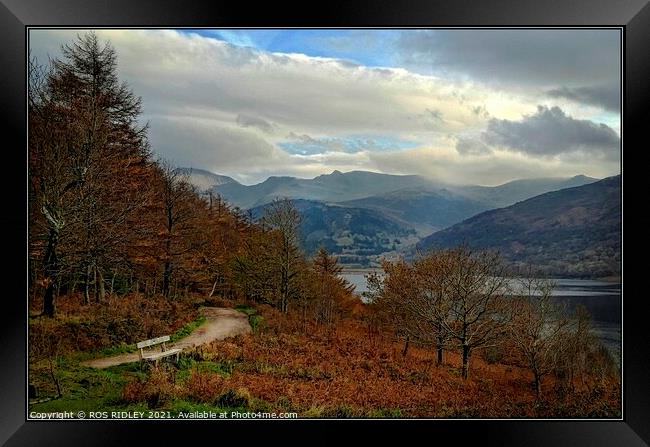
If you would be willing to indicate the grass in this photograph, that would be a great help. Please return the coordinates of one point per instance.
(254, 319)
(85, 388)
(187, 364)
(92, 390)
(187, 329)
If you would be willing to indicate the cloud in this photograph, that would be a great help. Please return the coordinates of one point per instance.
(551, 132)
(210, 145)
(605, 96)
(314, 95)
(472, 146)
(523, 57)
(481, 111)
(436, 115)
(447, 165)
(256, 122)
(229, 109)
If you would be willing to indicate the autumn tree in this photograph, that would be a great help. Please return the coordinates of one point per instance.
(112, 144)
(282, 218)
(177, 216)
(415, 298)
(226, 233)
(431, 304)
(585, 360)
(539, 328)
(331, 291)
(82, 114)
(56, 170)
(392, 295)
(479, 311)
(252, 267)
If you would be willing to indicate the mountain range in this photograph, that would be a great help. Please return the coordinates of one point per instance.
(354, 185)
(363, 216)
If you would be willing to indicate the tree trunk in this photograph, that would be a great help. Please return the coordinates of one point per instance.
(406, 346)
(49, 305)
(87, 285)
(75, 280)
(112, 283)
(167, 275)
(54, 379)
(538, 385)
(96, 284)
(440, 343)
(102, 289)
(214, 287)
(51, 269)
(465, 361)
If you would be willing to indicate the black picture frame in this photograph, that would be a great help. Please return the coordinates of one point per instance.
(16, 15)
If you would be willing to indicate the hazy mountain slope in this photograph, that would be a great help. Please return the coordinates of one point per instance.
(518, 190)
(428, 208)
(574, 231)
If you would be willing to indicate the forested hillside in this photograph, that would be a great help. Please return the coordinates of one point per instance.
(571, 232)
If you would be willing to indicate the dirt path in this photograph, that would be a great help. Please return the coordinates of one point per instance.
(220, 323)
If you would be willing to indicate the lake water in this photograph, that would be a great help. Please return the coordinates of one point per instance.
(602, 299)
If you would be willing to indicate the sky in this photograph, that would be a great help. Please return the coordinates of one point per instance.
(482, 106)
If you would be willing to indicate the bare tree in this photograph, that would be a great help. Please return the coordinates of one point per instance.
(539, 327)
(479, 311)
(431, 304)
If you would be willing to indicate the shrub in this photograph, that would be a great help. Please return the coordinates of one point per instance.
(157, 389)
(204, 386)
(493, 354)
(115, 322)
(234, 398)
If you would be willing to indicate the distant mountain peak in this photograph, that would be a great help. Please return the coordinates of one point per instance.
(584, 177)
(336, 172)
(205, 180)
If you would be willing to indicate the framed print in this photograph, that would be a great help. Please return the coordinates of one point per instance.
(397, 219)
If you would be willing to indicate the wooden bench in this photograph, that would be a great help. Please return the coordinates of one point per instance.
(155, 356)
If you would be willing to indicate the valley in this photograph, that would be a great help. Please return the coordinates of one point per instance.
(363, 217)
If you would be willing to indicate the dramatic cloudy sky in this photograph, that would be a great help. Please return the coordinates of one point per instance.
(462, 106)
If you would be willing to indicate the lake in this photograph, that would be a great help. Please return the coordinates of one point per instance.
(602, 299)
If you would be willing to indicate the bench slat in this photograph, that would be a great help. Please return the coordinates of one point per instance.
(152, 342)
(161, 354)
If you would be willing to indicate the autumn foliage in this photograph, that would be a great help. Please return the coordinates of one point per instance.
(349, 372)
(123, 248)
